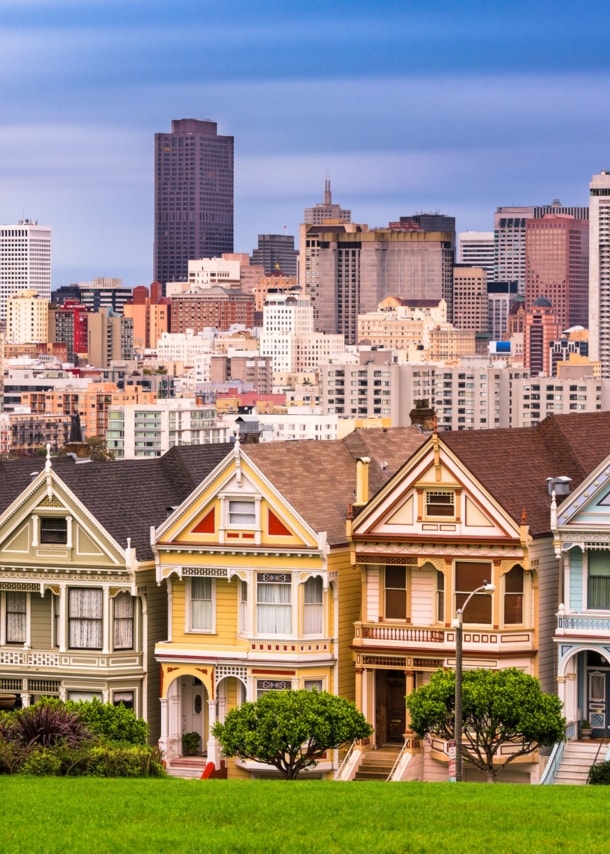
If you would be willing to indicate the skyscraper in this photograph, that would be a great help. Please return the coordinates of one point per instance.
(193, 197)
(326, 210)
(25, 261)
(599, 271)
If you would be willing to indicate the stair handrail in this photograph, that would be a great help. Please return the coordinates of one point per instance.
(346, 759)
(550, 770)
(401, 753)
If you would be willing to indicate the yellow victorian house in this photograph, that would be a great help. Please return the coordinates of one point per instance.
(261, 592)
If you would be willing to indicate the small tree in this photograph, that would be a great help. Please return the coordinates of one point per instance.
(500, 707)
(290, 730)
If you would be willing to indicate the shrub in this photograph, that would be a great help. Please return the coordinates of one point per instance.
(109, 722)
(46, 724)
(41, 762)
(599, 775)
(116, 761)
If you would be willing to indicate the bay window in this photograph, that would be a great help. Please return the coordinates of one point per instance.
(201, 611)
(123, 621)
(274, 603)
(85, 615)
(599, 580)
(313, 617)
(16, 617)
(513, 596)
(469, 575)
(395, 593)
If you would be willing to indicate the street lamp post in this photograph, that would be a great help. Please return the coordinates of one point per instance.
(457, 624)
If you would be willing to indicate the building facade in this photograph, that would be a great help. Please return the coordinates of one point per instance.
(193, 197)
(25, 261)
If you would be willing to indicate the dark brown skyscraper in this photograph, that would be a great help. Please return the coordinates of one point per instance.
(193, 197)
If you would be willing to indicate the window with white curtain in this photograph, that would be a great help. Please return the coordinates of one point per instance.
(85, 617)
(313, 617)
(16, 617)
(274, 603)
(243, 606)
(201, 605)
(123, 621)
(242, 514)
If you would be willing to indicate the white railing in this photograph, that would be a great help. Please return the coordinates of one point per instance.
(402, 760)
(582, 622)
(552, 766)
(77, 659)
(341, 772)
(403, 634)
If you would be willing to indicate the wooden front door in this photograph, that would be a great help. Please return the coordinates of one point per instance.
(395, 720)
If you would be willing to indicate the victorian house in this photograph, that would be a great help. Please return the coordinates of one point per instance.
(262, 595)
(581, 527)
(80, 607)
(468, 509)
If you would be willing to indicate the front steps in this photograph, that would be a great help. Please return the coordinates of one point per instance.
(578, 756)
(378, 764)
(186, 766)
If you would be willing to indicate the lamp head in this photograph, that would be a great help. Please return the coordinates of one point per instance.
(489, 588)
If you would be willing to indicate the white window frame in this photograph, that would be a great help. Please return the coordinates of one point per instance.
(313, 684)
(4, 639)
(313, 611)
(430, 494)
(123, 621)
(209, 626)
(86, 619)
(242, 513)
(282, 582)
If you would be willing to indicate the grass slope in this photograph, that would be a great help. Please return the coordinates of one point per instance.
(182, 816)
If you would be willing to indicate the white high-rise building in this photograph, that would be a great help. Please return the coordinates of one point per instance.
(476, 249)
(599, 271)
(25, 261)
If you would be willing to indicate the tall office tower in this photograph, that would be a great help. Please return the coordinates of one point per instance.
(326, 210)
(470, 306)
(430, 222)
(25, 261)
(541, 329)
(276, 252)
(193, 197)
(557, 266)
(476, 248)
(599, 271)
(509, 237)
(348, 270)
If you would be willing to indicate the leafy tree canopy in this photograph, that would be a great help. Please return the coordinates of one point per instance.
(500, 707)
(290, 730)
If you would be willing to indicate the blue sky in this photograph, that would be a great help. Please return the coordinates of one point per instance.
(406, 106)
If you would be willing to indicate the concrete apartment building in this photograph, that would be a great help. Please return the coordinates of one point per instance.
(138, 430)
(193, 216)
(27, 316)
(214, 306)
(69, 324)
(109, 338)
(400, 325)
(102, 292)
(25, 261)
(470, 302)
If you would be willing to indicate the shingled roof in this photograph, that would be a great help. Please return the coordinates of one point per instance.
(513, 465)
(319, 478)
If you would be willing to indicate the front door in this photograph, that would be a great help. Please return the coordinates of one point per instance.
(597, 693)
(193, 707)
(395, 705)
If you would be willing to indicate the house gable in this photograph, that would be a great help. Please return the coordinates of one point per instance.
(48, 523)
(434, 493)
(589, 505)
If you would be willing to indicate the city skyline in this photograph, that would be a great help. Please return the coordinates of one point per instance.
(457, 109)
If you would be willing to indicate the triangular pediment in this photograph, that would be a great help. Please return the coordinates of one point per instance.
(434, 493)
(48, 523)
(589, 504)
(236, 504)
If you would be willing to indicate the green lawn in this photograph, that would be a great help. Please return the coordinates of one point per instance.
(56, 814)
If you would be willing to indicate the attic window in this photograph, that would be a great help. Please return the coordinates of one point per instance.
(53, 529)
(242, 514)
(440, 503)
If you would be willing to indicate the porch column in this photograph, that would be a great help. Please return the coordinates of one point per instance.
(409, 688)
(213, 747)
(63, 618)
(163, 740)
(106, 621)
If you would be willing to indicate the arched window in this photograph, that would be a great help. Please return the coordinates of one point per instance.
(513, 596)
